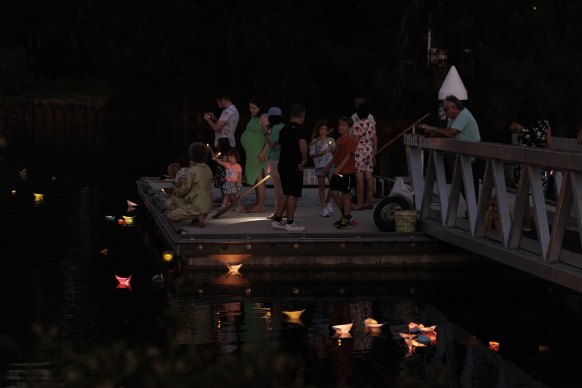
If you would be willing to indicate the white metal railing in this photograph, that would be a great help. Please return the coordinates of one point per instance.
(425, 157)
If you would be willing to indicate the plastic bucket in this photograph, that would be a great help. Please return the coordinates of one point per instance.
(405, 221)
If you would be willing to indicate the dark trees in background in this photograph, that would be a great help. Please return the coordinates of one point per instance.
(321, 53)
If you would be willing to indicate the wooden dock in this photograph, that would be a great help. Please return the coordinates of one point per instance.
(236, 237)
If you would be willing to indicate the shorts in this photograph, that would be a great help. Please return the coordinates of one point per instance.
(319, 172)
(273, 168)
(342, 183)
(291, 181)
(230, 187)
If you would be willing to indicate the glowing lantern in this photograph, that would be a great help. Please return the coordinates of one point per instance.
(294, 317)
(233, 269)
(110, 218)
(38, 197)
(13, 192)
(104, 252)
(494, 346)
(168, 256)
(543, 349)
(293, 314)
(121, 221)
(372, 327)
(343, 331)
(128, 220)
(131, 204)
(123, 282)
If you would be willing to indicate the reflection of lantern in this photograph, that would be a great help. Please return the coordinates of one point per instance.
(38, 197)
(128, 220)
(168, 256)
(494, 346)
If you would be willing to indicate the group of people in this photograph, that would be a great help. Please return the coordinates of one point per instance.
(280, 150)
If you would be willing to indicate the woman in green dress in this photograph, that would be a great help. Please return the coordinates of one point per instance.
(256, 149)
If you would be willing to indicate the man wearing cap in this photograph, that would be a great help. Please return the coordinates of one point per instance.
(225, 125)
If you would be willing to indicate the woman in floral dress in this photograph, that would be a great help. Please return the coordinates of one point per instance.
(364, 131)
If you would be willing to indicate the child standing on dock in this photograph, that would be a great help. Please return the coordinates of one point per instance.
(321, 150)
(344, 169)
(232, 177)
(194, 195)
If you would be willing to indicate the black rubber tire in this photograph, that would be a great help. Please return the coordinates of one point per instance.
(384, 212)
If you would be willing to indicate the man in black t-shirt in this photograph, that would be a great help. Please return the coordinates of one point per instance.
(293, 141)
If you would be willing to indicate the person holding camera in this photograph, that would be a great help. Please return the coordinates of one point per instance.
(225, 125)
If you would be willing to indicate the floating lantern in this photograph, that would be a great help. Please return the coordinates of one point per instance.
(23, 174)
(343, 331)
(543, 349)
(295, 291)
(128, 220)
(123, 282)
(53, 178)
(38, 197)
(13, 192)
(131, 204)
(110, 218)
(104, 252)
(248, 291)
(372, 323)
(294, 314)
(121, 221)
(233, 269)
(494, 346)
(418, 336)
(168, 256)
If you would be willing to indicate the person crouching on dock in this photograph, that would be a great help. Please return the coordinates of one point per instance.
(194, 196)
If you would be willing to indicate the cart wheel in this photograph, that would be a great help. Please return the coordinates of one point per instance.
(384, 212)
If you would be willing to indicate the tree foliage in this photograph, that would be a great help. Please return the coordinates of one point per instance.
(318, 52)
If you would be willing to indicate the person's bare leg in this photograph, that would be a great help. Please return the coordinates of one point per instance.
(321, 183)
(369, 188)
(278, 190)
(347, 202)
(291, 206)
(281, 206)
(359, 189)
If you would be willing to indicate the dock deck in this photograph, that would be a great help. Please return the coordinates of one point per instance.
(236, 236)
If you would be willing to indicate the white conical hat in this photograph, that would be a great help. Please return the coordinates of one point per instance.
(453, 85)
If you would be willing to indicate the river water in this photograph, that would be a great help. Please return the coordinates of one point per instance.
(67, 321)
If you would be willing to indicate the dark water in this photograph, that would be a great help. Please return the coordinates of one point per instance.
(65, 320)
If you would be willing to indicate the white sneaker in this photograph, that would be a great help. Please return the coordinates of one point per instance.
(281, 225)
(294, 227)
(329, 208)
(324, 212)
